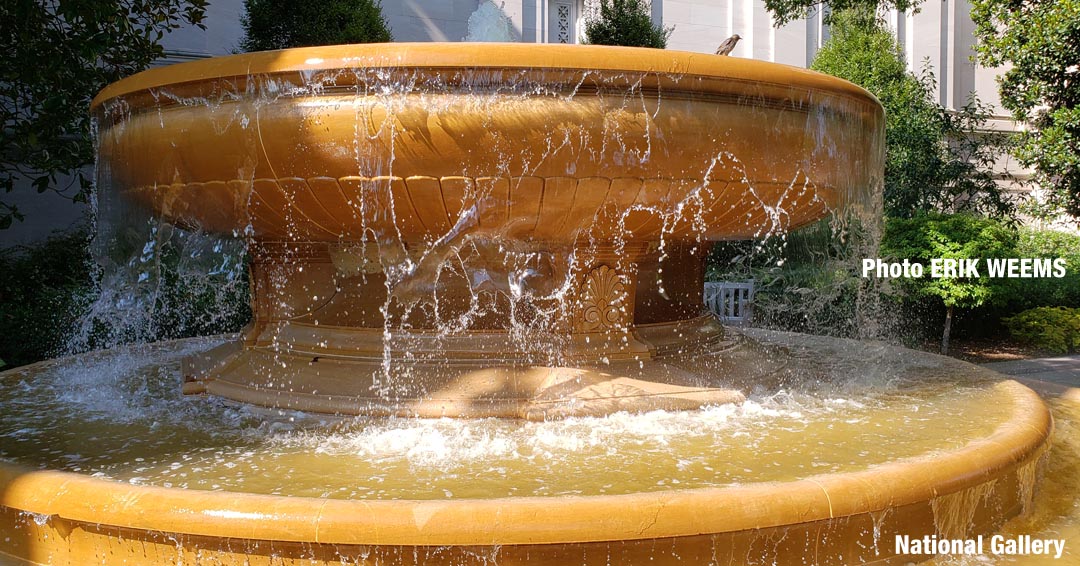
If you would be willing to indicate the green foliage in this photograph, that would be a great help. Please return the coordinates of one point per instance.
(786, 11)
(1040, 42)
(1019, 294)
(48, 295)
(805, 281)
(1054, 329)
(1050, 291)
(57, 55)
(809, 298)
(950, 236)
(281, 24)
(41, 288)
(809, 280)
(915, 317)
(936, 160)
(625, 22)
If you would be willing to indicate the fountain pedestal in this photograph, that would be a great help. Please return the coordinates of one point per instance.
(595, 336)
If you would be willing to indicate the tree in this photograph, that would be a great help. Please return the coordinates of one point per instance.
(785, 11)
(57, 55)
(281, 24)
(936, 159)
(956, 237)
(625, 22)
(1040, 40)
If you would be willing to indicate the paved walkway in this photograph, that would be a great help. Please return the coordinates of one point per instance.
(1064, 369)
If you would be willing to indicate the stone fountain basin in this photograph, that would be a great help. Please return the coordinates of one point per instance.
(529, 141)
(56, 517)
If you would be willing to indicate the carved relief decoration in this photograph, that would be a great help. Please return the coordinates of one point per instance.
(601, 301)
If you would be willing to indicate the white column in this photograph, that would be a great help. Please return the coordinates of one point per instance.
(944, 69)
(791, 44)
(742, 23)
(764, 32)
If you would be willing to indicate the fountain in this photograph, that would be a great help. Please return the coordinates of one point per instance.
(478, 331)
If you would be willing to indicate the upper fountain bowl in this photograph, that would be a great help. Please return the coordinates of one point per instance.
(535, 142)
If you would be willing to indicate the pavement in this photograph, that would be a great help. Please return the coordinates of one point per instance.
(1063, 370)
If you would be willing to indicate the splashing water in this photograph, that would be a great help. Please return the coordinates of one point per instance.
(478, 266)
(120, 415)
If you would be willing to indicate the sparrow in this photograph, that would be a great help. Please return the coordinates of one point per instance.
(728, 45)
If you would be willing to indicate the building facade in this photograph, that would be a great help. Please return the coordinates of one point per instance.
(939, 36)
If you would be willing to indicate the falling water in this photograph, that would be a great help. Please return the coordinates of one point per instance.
(477, 246)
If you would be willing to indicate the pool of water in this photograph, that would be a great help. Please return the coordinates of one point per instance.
(120, 415)
(1055, 509)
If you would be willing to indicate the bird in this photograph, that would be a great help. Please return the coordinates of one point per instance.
(728, 45)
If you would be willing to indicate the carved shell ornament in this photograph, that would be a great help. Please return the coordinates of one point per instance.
(602, 295)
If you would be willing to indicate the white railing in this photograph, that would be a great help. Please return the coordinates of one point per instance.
(731, 301)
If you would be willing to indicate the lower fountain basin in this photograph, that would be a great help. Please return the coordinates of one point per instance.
(101, 458)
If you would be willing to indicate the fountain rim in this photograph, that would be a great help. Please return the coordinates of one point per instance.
(568, 519)
(723, 72)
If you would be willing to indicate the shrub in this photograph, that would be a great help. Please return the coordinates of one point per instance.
(41, 288)
(57, 56)
(949, 236)
(281, 24)
(935, 159)
(625, 22)
(917, 316)
(1054, 329)
(51, 302)
(806, 280)
(1052, 291)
